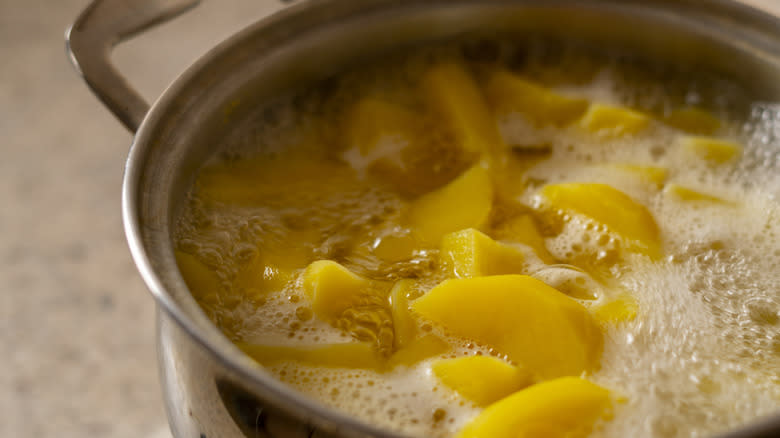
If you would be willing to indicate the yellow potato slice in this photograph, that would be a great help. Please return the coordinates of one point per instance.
(507, 92)
(610, 207)
(380, 129)
(693, 121)
(612, 121)
(470, 253)
(463, 203)
(652, 175)
(396, 247)
(622, 308)
(712, 150)
(201, 280)
(454, 96)
(360, 355)
(258, 278)
(332, 288)
(568, 407)
(523, 229)
(481, 379)
(531, 323)
(404, 325)
(418, 350)
(689, 195)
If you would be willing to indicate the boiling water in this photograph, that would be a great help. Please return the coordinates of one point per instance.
(703, 354)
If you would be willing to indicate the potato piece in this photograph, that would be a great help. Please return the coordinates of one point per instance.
(522, 229)
(712, 150)
(693, 121)
(404, 325)
(258, 278)
(622, 308)
(510, 93)
(652, 175)
(201, 280)
(612, 121)
(418, 350)
(332, 288)
(463, 203)
(531, 323)
(455, 97)
(380, 129)
(344, 355)
(689, 195)
(568, 407)
(395, 247)
(469, 253)
(481, 379)
(610, 207)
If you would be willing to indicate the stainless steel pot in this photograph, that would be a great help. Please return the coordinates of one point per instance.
(211, 389)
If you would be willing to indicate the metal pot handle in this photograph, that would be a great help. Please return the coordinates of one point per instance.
(103, 25)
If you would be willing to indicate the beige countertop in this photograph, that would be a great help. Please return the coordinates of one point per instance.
(77, 323)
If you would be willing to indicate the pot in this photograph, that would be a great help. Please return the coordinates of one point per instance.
(211, 389)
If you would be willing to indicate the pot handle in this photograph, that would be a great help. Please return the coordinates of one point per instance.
(103, 25)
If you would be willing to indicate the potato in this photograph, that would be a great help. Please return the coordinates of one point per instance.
(463, 203)
(201, 280)
(379, 129)
(612, 121)
(652, 175)
(404, 325)
(693, 121)
(453, 95)
(523, 229)
(470, 253)
(507, 93)
(342, 355)
(531, 323)
(686, 194)
(610, 207)
(714, 151)
(418, 350)
(622, 308)
(332, 288)
(567, 407)
(481, 379)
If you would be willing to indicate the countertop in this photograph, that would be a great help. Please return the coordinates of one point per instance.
(77, 323)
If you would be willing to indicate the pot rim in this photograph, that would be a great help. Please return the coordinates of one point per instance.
(212, 340)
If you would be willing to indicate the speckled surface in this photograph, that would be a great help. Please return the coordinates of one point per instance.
(76, 323)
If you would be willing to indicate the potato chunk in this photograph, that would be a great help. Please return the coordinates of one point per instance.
(332, 288)
(568, 407)
(611, 121)
(481, 379)
(463, 203)
(342, 355)
(404, 325)
(622, 308)
(511, 93)
(454, 96)
(523, 229)
(652, 175)
(610, 207)
(693, 121)
(380, 129)
(712, 150)
(200, 279)
(531, 323)
(418, 350)
(469, 253)
(689, 195)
